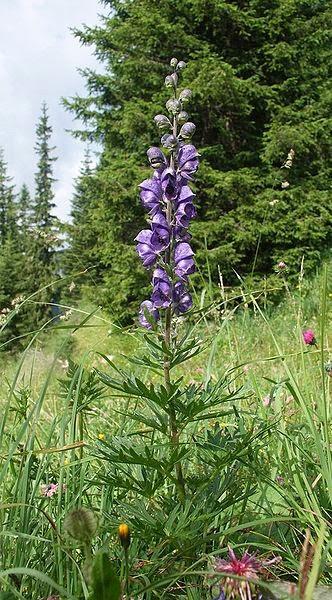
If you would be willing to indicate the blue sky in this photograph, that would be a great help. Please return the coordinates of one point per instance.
(39, 58)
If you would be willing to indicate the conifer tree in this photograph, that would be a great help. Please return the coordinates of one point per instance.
(260, 79)
(42, 265)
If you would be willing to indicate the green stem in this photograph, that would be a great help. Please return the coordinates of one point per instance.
(173, 426)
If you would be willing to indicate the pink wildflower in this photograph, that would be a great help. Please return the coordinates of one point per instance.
(267, 400)
(50, 489)
(281, 265)
(309, 337)
(249, 566)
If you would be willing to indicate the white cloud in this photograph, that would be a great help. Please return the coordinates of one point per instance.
(39, 58)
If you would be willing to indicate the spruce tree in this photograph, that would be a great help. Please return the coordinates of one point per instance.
(42, 265)
(260, 79)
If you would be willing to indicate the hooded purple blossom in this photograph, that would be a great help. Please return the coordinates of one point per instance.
(169, 184)
(161, 233)
(182, 299)
(148, 314)
(151, 194)
(188, 161)
(147, 247)
(162, 289)
(184, 262)
(185, 210)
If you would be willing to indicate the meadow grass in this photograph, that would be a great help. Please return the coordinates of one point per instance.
(55, 412)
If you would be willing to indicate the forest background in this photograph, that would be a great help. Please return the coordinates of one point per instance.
(260, 75)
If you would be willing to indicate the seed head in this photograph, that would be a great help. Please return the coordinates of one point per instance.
(81, 524)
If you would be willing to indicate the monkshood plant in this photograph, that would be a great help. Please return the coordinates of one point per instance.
(172, 478)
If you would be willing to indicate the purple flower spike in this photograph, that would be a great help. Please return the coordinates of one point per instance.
(160, 231)
(188, 161)
(151, 194)
(182, 299)
(148, 314)
(147, 248)
(184, 262)
(162, 289)
(156, 157)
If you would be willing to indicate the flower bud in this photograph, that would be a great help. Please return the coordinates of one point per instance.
(169, 141)
(124, 535)
(81, 524)
(185, 95)
(173, 62)
(182, 64)
(171, 80)
(156, 157)
(183, 117)
(187, 130)
(173, 106)
(162, 122)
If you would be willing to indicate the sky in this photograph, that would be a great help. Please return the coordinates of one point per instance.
(39, 58)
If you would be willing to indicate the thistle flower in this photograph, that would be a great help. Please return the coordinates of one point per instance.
(249, 566)
(309, 337)
(168, 200)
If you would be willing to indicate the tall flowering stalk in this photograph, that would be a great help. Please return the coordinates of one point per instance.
(165, 246)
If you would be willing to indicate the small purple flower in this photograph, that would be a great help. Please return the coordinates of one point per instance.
(169, 184)
(156, 157)
(188, 161)
(309, 337)
(185, 209)
(161, 234)
(50, 489)
(162, 289)
(181, 234)
(182, 299)
(148, 314)
(147, 247)
(151, 194)
(184, 262)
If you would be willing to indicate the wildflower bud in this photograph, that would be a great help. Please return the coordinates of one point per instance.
(173, 106)
(187, 130)
(81, 524)
(182, 64)
(162, 122)
(185, 95)
(309, 337)
(171, 80)
(328, 368)
(156, 157)
(173, 62)
(169, 141)
(124, 535)
(285, 185)
(183, 117)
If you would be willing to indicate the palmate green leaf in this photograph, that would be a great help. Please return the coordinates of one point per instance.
(160, 424)
(7, 596)
(138, 479)
(105, 581)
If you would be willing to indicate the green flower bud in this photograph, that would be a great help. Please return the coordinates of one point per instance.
(182, 64)
(183, 117)
(173, 62)
(81, 524)
(185, 95)
(169, 141)
(173, 106)
(171, 80)
(187, 130)
(162, 122)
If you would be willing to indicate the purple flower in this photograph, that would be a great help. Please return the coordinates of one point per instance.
(184, 262)
(309, 337)
(181, 234)
(187, 161)
(147, 247)
(148, 314)
(182, 299)
(162, 289)
(185, 210)
(160, 231)
(151, 194)
(156, 157)
(169, 184)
